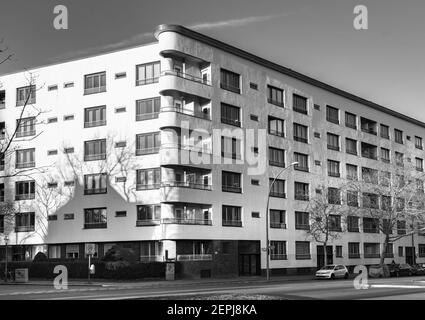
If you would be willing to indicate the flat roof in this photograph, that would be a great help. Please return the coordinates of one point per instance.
(274, 66)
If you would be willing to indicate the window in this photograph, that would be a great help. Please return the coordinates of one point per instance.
(420, 185)
(385, 131)
(52, 120)
(317, 107)
(68, 117)
(72, 251)
(370, 200)
(95, 183)
(25, 158)
(255, 182)
(2, 99)
(334, 196)
(333, 142)
(95, 150)
(120, 144)
(147, 143)
(370, 175)
(52, 87)
(421, 250)
(68, 216)
(299, 104)
(230, 148)
(302, 160)
(147, 73)
(230, 81)
(385, 155)
(148, 179)
(255, 214)
(369, 151)
(120, 214)
(275, 96)
(300, 133)
(350, 120)
(253, 117)
(120, 179)
(26, 127)
(25, 222)
(277, 189)
(52, 152)
(419, 164)
(120, 75)
(121, 109)
(400, 251)
(332, 114)
(368, 125)
(148, 108)
(68, 85)
(351, 146)
(352, 198)
(276, 127)
(231, 182)
(148, 215)
(353, 224)
(317, 135)
(302, 250)
(54, 252)
(277, 219)
(353, 250)
(95, 83)
(1, 161)
(370, 225)
(95, 117)
(386, 223)
(95, 218)
(68, 150)
(24, 190)
(301, 191)
(333, 168)
(338, 251)
(398, 136)
(1, 194)
(25, 95)
(371, 250)
(418, 143)
(230, 115)
(278, 250)
(253, 86)
(399, 159)
(351, 172)
(231, 216)
(276, 157)
(302, 221)
(335, 223)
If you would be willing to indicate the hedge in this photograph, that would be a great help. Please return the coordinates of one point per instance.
(78, 269)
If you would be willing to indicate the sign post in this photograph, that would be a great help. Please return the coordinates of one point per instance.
(90, 251)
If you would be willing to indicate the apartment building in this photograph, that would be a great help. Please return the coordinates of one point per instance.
(137, 148)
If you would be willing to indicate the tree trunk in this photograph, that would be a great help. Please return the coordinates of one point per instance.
(325, 254)
(384, 250)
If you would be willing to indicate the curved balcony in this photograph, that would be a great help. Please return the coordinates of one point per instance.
(172, 117)
(178, 154)
(176, 191)
(171, 80)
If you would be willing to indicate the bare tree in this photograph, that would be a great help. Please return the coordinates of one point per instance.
(389, 199)
(326, 213)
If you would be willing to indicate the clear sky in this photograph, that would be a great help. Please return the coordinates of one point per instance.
(384, 64)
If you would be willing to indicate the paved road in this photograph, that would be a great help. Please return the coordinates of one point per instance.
(393, 288)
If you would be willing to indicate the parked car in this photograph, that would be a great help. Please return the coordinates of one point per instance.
(403, 269)
(419, 269)
(332, 271)
(394, 268)
(379, 271)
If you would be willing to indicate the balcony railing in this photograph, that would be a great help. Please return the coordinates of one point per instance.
(229, 87)
(25, 165)
(189, 112)
(300, 139)
(332, 119)
(302, 226)
(94, 90)
(302, 197)
(353, 229)
(147, 116)
(25, 133)
(194, 257)
(302, 110)
(189, 147)
(234, 189)
(372, 255)
(91, 124)
(277, 163)
(353, 255)
(334, 174)
(95, 225)
(332, 147)
(147, 222)
(276, 194)
(351, 125)
(186, 184)
(278, 257)
(231, 155)
(25, 196)
(232, 223)
(370, 230)
(277, 133)
(140, 186)
(304, 256)
(22, 102)
(276, 102)
(369, 130)
(24, 228)
(301, 168)
(141, 82)
(140, 152)
(95, 191)
(370, 155)
(94, 157)
(277, 225)
(186, 76)
(203, 222)
(233, 122)
(155, 258)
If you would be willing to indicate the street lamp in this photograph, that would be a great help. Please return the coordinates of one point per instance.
(267, 220)
(6, 239)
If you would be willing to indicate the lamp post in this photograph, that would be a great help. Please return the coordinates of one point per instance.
(267, 220)
(6, 239)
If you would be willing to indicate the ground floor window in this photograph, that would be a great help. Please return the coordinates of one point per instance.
(72, 251)
(54, 252)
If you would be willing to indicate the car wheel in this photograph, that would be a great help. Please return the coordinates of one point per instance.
(346, 276)
(332, 276)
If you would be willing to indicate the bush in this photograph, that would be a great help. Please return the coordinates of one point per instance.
(118, 253)
(40, 256)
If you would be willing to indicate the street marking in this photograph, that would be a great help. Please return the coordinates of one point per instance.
(400, 286)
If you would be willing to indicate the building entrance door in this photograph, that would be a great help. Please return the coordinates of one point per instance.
(249, 264)
(321, 256)
(410, 253)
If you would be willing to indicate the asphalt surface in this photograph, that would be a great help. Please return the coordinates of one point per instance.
(410, 288)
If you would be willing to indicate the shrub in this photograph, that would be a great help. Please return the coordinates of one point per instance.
(119, 253)
(40, 256)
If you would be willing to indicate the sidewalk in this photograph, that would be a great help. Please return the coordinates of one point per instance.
(164, 283)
